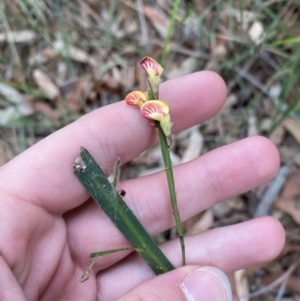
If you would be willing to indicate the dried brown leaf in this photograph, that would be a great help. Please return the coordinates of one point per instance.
(223, 209)
(149, 157)
(200, 223)
(11, 94)
(289, 201)
(195, 145)
(290, 206)
(127, 77)
(75, 53)
(293, 127)
(252, 127)
(293, 283)
(6, 152)
(187, 66)
(21, 36)
(277, 135)
(241, 284)
(158, 19)
(46, 110)
(289, 152)
(75, 97)
(256, 32)
(292, 186)
(142, 79)
(44, 82)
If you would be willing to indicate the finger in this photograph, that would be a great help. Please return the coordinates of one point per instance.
(9, 286)
(186, 283)
(216, 176)
(44, 172)
(229, 248)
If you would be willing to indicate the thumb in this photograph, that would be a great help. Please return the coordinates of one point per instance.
(187, 283)
(206, 283)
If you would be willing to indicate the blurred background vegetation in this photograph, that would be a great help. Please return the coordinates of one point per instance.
(62, 59)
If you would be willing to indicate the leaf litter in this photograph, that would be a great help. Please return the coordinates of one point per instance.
(81, 56)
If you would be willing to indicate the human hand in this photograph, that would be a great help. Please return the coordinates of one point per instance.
(49, 227)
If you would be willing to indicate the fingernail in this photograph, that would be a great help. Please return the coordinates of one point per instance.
(206, 284)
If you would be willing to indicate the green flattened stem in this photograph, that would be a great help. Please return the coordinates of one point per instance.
(169, 173)
(94, 180)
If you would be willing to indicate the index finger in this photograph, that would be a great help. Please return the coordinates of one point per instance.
(43, 174)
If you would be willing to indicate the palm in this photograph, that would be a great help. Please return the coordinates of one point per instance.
(48, 228)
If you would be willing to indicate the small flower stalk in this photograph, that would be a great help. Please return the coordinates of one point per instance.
(157, 111)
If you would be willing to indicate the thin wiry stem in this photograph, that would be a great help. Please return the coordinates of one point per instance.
(171, 183)
(170, 31)
(164, 145)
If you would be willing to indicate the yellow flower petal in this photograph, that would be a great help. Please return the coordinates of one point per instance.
(135, 98)
(152, 67)
(155, 110)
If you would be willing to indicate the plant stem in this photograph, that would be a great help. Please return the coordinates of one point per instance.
(106, 252)
(170, 31)
(94, 180)
(163, 141)
(169, 173)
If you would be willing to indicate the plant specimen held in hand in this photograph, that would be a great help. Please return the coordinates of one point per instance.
(157, 111)
(111, 202)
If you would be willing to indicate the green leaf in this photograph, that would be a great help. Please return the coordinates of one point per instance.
(94, 180)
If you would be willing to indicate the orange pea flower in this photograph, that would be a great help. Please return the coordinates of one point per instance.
(154, 70)
(152, 67)
(158, 110)
(136, 98)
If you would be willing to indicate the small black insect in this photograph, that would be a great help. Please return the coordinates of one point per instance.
(122, 193)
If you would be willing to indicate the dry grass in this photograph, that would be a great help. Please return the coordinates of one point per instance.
(62, 59)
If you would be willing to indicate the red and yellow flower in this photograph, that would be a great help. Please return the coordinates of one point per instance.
(158, 110)
(154, 70)
(136, 98)
(155, 110)
(152, 67)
